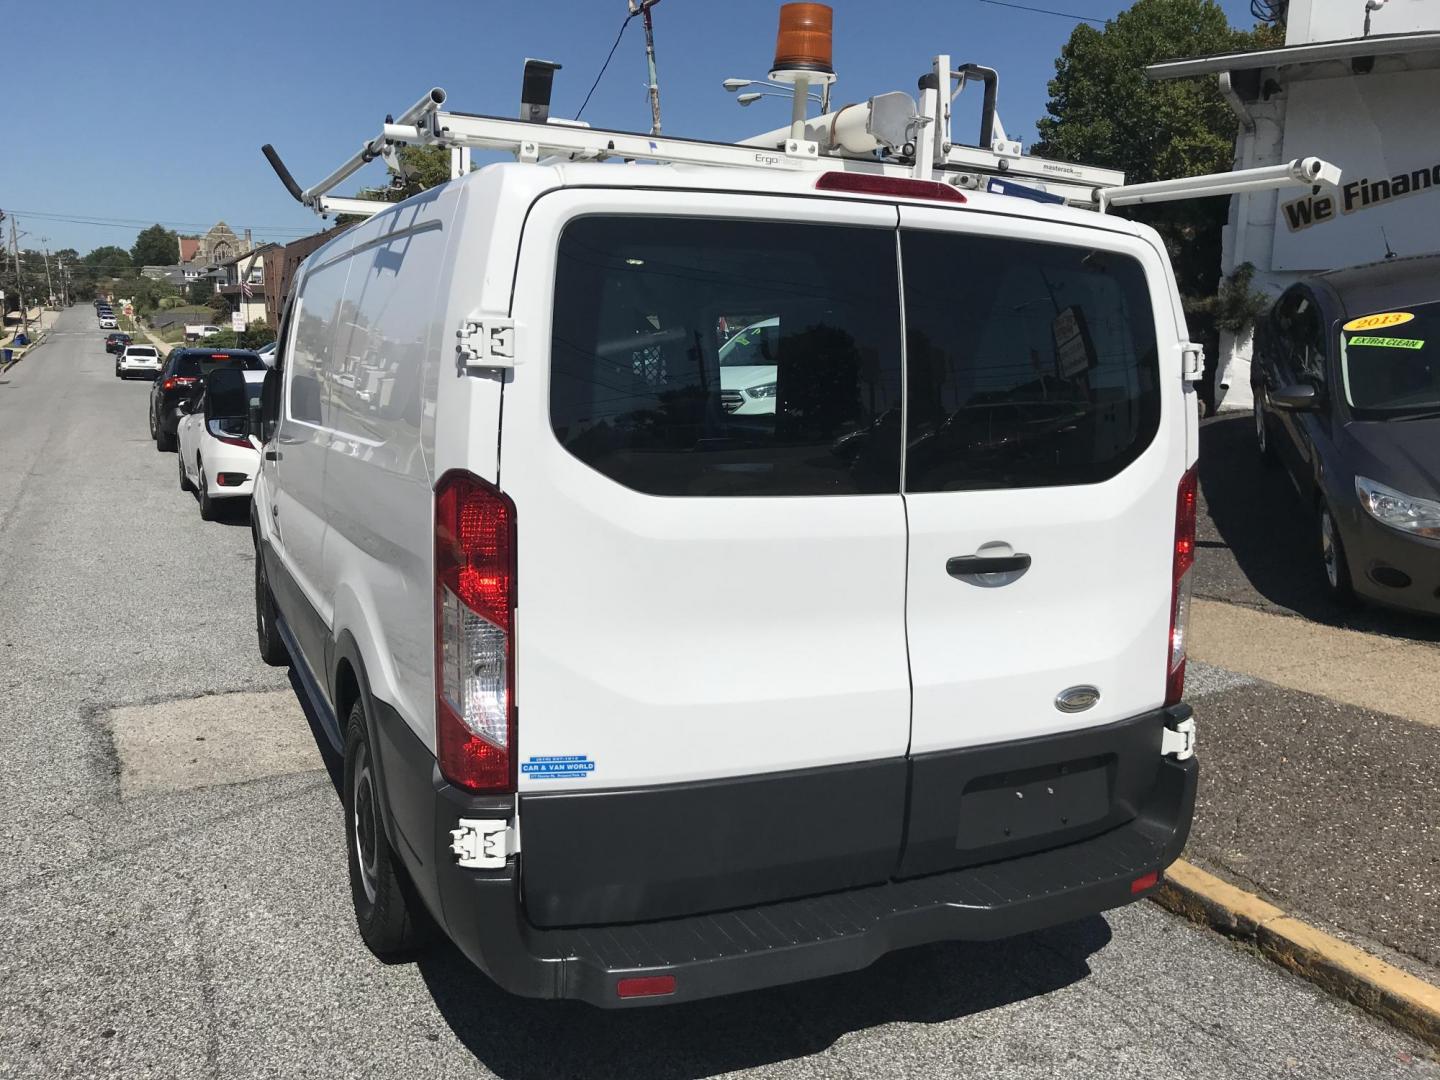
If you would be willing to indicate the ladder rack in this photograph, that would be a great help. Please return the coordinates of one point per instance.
(890, 134)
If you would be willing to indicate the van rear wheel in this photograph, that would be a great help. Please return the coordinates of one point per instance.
(383, 911)
(272, 648)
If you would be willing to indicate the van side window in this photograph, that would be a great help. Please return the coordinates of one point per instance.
(1034, 367)
(321, 294)
(726, 357)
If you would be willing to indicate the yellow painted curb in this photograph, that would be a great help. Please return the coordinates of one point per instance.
(1377, 987)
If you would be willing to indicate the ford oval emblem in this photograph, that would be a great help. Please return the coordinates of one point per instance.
(1077, 698)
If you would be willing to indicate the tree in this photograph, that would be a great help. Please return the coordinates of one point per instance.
(108, 260)
(156, 246)
(424, 166)
(220, 307)
(200, 291)
(1103, 110)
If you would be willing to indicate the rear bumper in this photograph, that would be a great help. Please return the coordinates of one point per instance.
(789, 940)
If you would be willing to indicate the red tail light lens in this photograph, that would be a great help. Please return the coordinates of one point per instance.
(1184, 560)
(895, 186)
(175, 382)
(474, 644)
(645, 986)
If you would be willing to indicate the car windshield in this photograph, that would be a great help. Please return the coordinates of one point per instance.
(1390, 362)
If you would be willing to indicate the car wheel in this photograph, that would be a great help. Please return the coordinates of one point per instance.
(272, 648)
(1333, 562)
(384, 908)
(207, 504)
(164, 442)
(184, 480)
(1262, 431)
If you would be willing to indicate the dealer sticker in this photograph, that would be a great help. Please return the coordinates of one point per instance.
(1388, 342)
(1379, 321)
(558, 767)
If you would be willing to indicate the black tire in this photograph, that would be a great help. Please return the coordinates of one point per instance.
(207, 504)
(1264, 439)
(1334, 566)
(385, 909)
(164, 442)
(272, 648)
(184, 480)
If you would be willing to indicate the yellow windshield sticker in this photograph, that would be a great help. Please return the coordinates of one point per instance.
(1388, 342)
(1378, 322)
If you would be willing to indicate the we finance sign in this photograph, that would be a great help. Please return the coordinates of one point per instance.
(1381, 132)
(1362, 194)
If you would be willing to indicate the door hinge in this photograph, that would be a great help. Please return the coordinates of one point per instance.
(486, 343)
(482, 843)
(1179, 740)
(1192, 361)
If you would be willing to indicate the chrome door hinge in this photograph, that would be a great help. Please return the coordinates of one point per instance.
(486, 343)
(1192, 361)
(482, 844)
(1179, 740)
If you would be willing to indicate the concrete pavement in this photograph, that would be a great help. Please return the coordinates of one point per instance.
(206, 930)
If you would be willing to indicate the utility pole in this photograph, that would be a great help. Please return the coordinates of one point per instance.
(19, 279)
(49, 285)
(642, 8)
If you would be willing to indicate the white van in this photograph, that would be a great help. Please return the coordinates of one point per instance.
(643, 699)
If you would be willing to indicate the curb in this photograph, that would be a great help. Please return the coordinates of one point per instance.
(1381, 989)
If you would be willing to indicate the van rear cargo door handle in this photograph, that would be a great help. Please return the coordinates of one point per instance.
(969, 565)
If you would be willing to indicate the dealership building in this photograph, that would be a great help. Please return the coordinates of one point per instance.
(1358, 84)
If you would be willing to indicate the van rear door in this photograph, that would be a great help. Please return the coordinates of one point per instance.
(1044, 449)
(712, 685)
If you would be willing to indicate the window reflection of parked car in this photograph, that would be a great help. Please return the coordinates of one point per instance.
(1347, 398)
(748, 370)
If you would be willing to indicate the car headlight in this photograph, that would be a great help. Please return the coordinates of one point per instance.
(764, 390)
(1407, 513)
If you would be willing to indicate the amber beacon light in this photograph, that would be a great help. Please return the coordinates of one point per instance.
(803, 46)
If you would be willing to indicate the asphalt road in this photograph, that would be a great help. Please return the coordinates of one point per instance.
(204, 930)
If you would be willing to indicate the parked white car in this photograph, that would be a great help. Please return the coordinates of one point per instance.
(107, 322)
(138, 360)
(219, 458)
(748, 370)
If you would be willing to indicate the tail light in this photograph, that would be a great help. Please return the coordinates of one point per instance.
(175, 382)
(474, 634)
(1184, 561)
(896, 186)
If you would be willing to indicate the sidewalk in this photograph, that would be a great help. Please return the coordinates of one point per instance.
(1320, 803)
(41, 321)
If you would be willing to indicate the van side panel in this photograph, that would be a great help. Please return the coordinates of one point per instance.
(381, 377)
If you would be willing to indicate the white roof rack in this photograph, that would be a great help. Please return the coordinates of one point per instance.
(890, 134)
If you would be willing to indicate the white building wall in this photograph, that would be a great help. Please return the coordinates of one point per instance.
(1334, 20)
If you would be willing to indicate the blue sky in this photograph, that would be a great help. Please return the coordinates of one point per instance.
(155, 111)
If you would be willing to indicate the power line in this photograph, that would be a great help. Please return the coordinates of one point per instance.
(605, 65)
(142, 223)
(1045, 11)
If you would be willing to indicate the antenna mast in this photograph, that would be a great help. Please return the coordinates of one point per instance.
(642, 8)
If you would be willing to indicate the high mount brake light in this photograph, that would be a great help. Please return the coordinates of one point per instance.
(474, 634)
(895, 186)
(1184, 560)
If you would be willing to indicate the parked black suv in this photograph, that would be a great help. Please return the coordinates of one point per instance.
(115, 342)
(182, 374)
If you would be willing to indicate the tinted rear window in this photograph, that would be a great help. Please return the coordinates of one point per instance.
(652, 384)
(1028, 364)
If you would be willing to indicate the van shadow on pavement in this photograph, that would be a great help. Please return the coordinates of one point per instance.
(1258, 545)
(516, 1037)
